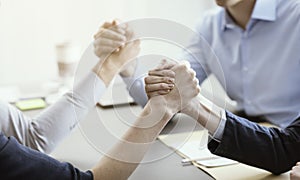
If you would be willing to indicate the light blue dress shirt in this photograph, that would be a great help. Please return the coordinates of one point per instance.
(259, 67)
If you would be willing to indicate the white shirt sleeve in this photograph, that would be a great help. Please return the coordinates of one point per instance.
(220, 130)
(136, 85)
(46, 130)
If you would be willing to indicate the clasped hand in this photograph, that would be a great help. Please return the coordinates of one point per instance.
(173, 82)
(114, 44)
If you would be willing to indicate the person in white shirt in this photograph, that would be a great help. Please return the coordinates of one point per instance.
(21, 136)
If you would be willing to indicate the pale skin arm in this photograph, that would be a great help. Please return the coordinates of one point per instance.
(114, 54)
(107, 68)
(121, 160)
(111, 38)
(115, 48)
(125, 156)
(134, 144)
(205, 112)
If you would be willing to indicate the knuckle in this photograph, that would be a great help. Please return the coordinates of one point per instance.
(170, 73)
(190, 78)
(98, 41)
(147, 88)
(165, 79)
(161, 92)
(182, 67)
(147, 79)
(185, 67)
(192, 73)
(164, 73)
(97, 51)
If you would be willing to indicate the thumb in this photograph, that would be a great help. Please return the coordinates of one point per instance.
(186, 63)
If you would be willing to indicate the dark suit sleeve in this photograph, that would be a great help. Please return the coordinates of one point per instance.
(20, 162)
(273, 149)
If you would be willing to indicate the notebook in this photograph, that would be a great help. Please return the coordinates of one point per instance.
(116, 95)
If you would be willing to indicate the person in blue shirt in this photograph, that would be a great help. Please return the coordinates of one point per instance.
(256, 46)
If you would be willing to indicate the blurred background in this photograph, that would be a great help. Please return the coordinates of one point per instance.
(30, 30)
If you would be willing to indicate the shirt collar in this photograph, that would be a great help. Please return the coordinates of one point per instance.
(263, 10)
(227, 21)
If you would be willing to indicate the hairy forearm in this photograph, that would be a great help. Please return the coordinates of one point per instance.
(125, 156)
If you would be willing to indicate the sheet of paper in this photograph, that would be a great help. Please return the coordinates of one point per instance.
(237, 171)
(195, 149)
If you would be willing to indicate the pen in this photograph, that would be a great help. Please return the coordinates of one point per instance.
(187, 161)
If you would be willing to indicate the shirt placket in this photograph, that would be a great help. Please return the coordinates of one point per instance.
(245, 64)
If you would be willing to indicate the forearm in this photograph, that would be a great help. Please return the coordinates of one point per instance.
(105, 70)
(57, 121)
(205, 112)
(125, 156)
(112, 64)
(46, 130)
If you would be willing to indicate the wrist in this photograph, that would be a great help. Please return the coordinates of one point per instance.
(192, 108)
(129, 70)
(105, 71)
(196, 110)
(162, 105)
(205, 112)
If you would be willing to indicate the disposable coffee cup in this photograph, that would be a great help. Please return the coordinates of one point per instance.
(67, 55)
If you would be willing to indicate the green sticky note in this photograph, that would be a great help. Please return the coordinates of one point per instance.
(31, 104)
